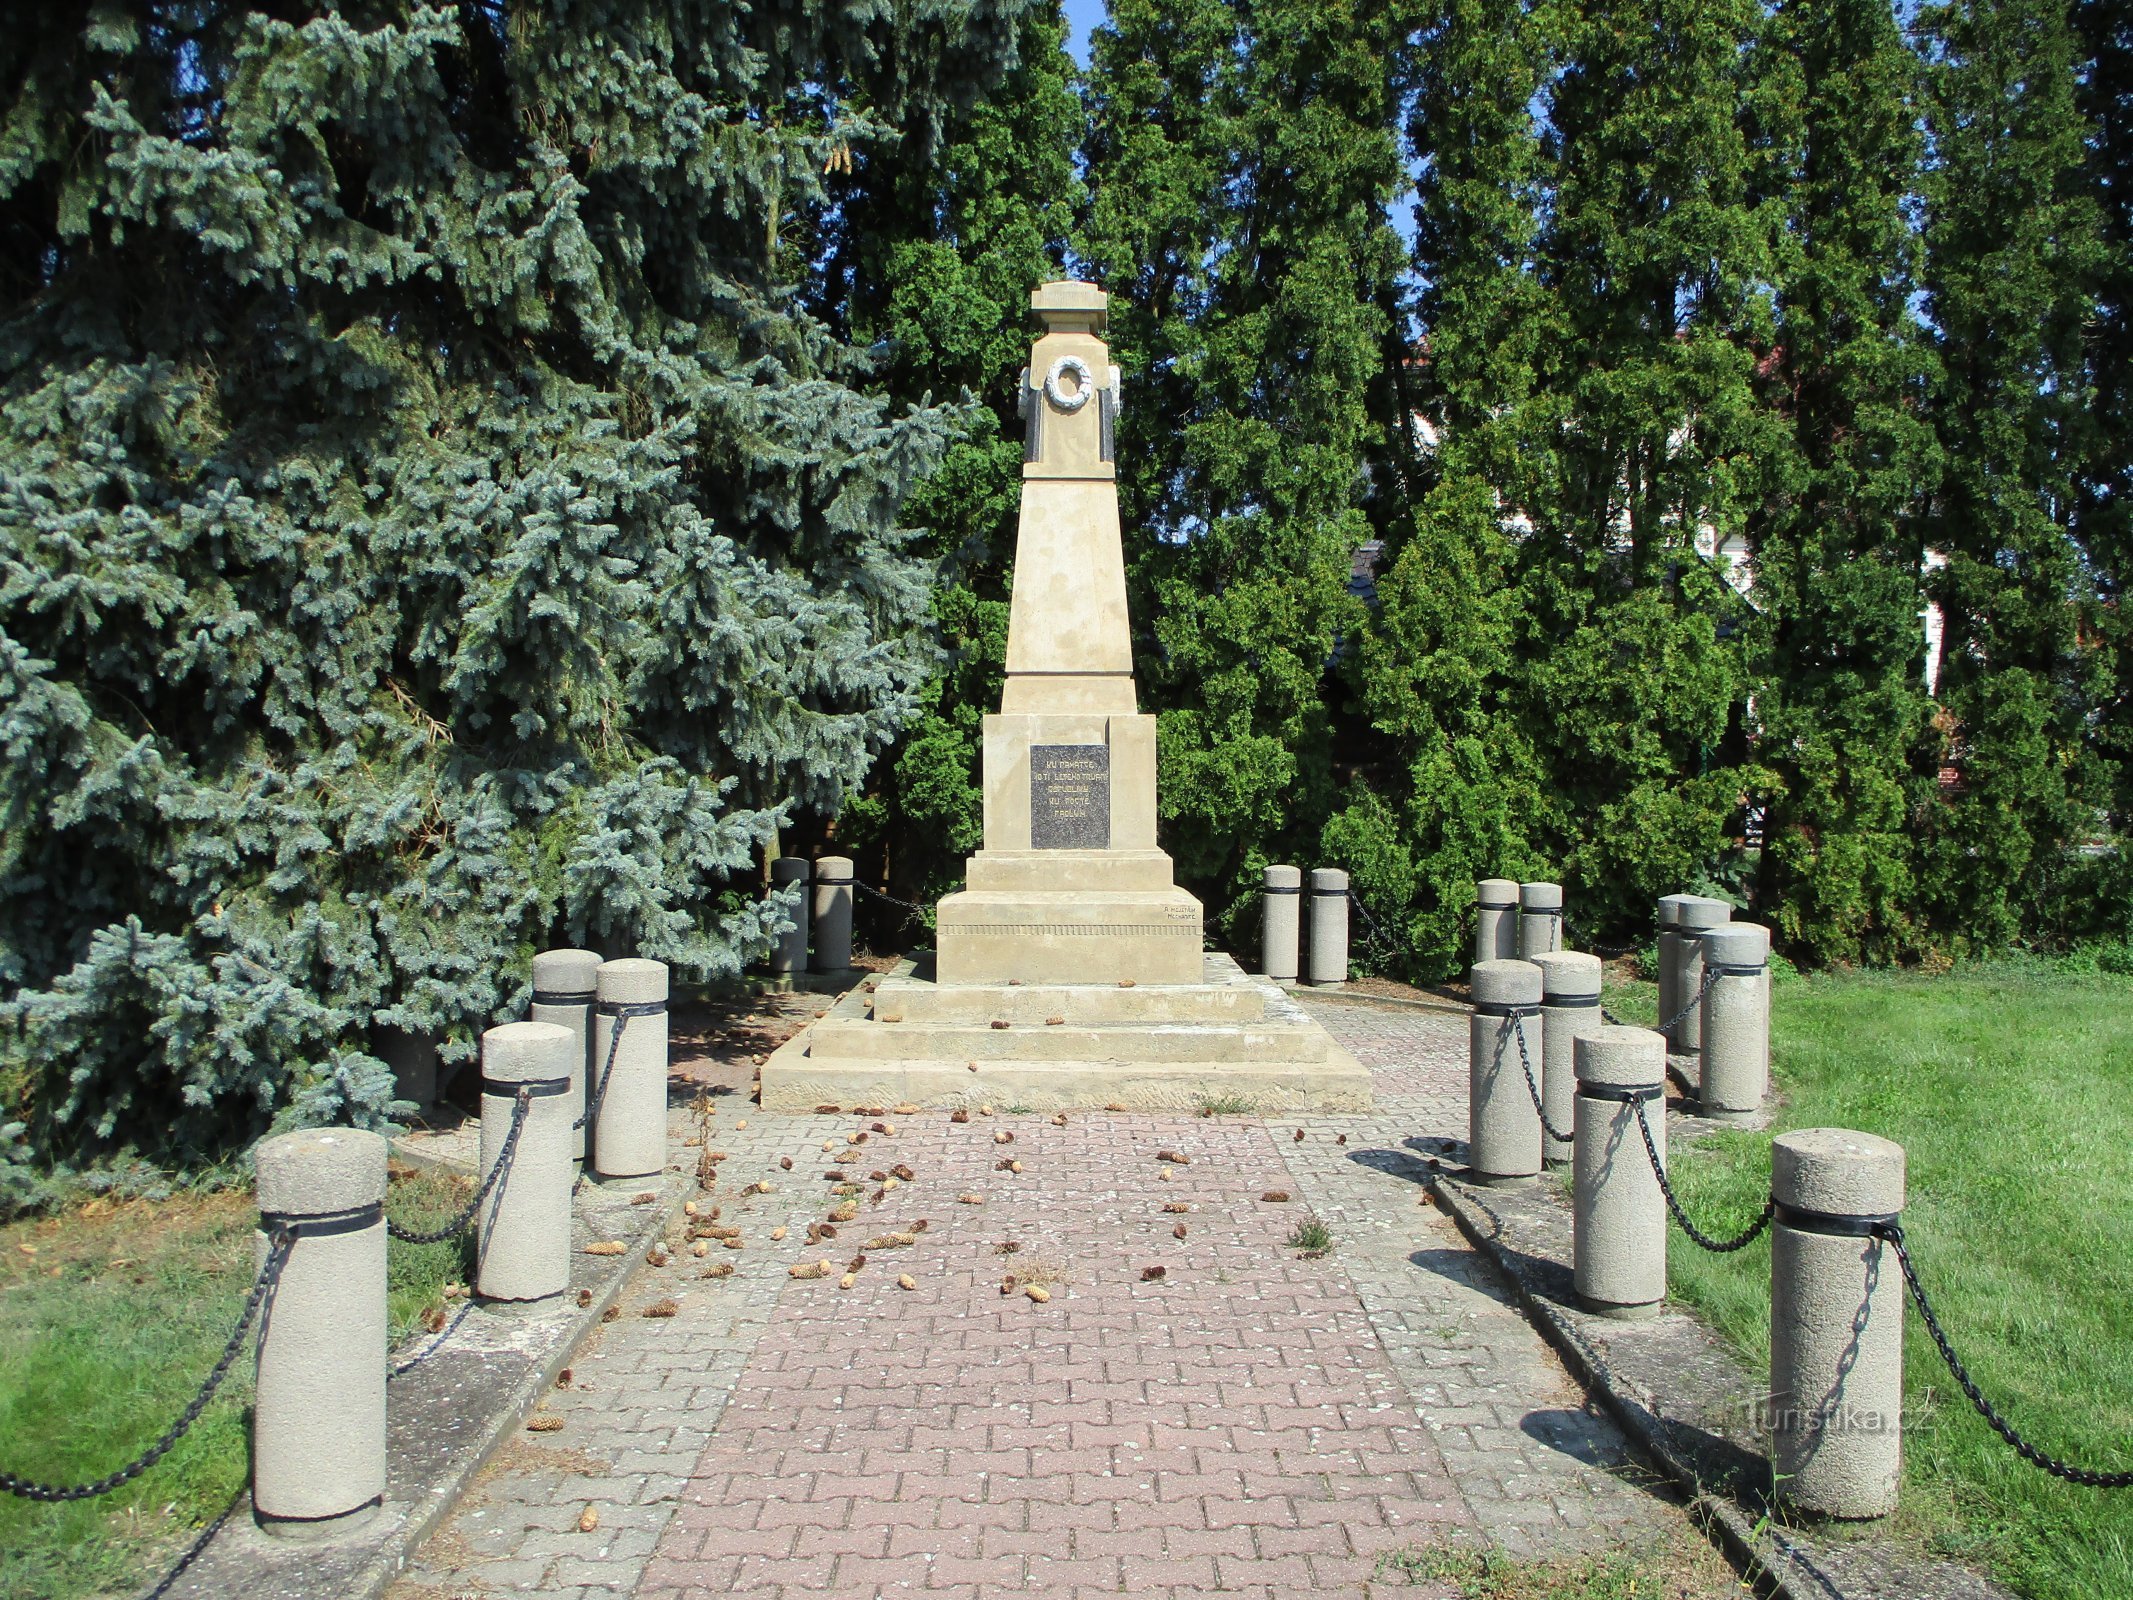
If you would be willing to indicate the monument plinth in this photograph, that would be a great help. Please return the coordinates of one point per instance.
(1070, 969)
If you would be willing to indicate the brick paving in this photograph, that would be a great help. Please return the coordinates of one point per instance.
(1250, 1423)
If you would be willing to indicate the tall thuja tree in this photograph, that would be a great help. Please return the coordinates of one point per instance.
(1839, 685)
(1438, 672)
(1658, 258)
(943, 262)
(1259, 436)
(434, 528)
(2105, 523)
(2012, 247)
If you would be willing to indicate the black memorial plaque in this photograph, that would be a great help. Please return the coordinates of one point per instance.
(1070, 796)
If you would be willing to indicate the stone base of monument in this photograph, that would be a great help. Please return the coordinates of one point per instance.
(1147, 1047)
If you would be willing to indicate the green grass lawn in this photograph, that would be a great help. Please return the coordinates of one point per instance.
(2011, 1089)
(110, 1315)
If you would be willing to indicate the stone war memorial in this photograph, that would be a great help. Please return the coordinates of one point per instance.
(1072, 969)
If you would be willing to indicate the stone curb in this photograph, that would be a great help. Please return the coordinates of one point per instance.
(241, 1561)
(1771, 1570)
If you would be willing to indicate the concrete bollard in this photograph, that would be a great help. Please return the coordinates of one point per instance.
(1570, 1009)
(1495, 920)
(1734, 1063)
(524, 1248)
(564, 982)
(1329, 926)
(1836, 1322)
(1281, 923)
(318, 1412)
(1618, 1213)
(629, 1131)
(1696, 913)
(412, 1057)
(833, 913)
(1503, 1129)
(1669, 955)
(1540, 919)
(788, 956)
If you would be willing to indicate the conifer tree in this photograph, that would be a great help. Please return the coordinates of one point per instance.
(946, 262)
(1840, 701)
(2012, 250)
(1462, 796)
(436, 526)
(1244, 160)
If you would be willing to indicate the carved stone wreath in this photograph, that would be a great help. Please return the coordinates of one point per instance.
(1080, 396)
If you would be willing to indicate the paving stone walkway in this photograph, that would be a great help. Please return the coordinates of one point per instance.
(1246, 1421)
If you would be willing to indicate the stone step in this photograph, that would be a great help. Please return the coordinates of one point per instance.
(861, 1039)
(793, 1081)
(908, 1000)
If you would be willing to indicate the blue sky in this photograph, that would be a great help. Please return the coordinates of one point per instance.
(1082, 15)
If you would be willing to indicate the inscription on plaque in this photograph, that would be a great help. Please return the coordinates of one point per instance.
(1070, 796)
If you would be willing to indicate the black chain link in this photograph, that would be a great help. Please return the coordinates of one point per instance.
(1723, 1247)
(2087, 1478)
(495, 1175)
(1510, 1026)
(912, 909)
(1710, 976)
(269, 1274)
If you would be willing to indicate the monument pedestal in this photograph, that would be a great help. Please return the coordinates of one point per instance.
(1070, 971)
(1230, 1035)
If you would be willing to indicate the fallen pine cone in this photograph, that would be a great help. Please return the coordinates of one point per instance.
(1275, 1196)
(588, 1519)
(828, 1145)
(562, 1379)
(1004, 1136)
(607, 1247)
(1175, 1157)
(847, 1280)
(1055, 1022)
(1125, 983)
(722, 1269)
(760, 1186)
(984, 1111)
(658, 1255)
(662, 1308)
(585, 1297)
(971, 1065)
(1008, 1284)
(776, 1234)
(1176, 1206)
(849, 1190)
(644, 1199)
(856, 1262)
(1163, 1176)
(907, 1109)
(903, 1172)
(892, 1241)
(688, 1208)
(970, 1199)
(868, 1111)
(785, 1163)
(921, 1225)
(959, 1115)
(734, 1244)
(878, 1175)
(1340, 1139)
(1038, 1292)
(1152, 1274)
(1299, 1136)
(906, 1281)
(882, 1128)
(433, 1319)
(998, 1022)
(855, 1138)
(827, 1230)
(714, 1155)
(889, 1183)
(819, 1269)
(1113, 1105)
(611, 1313)
(1178, 1232)
(700, 1249)
(844, 1213)
(834, 1175)
(1059, 1119)
(825, 1111)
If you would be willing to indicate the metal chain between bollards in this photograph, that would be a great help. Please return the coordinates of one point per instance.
(495, 1175)
(2086, 1477)
(912, 909)
(1697, 1236)
(278, 1249)
(1710, 976)
(1510, 1025)
(621, 1012)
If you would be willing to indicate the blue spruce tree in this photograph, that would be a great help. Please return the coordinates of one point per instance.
(443, 515)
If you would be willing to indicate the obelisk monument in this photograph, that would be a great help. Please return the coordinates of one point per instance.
(1070, 887)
